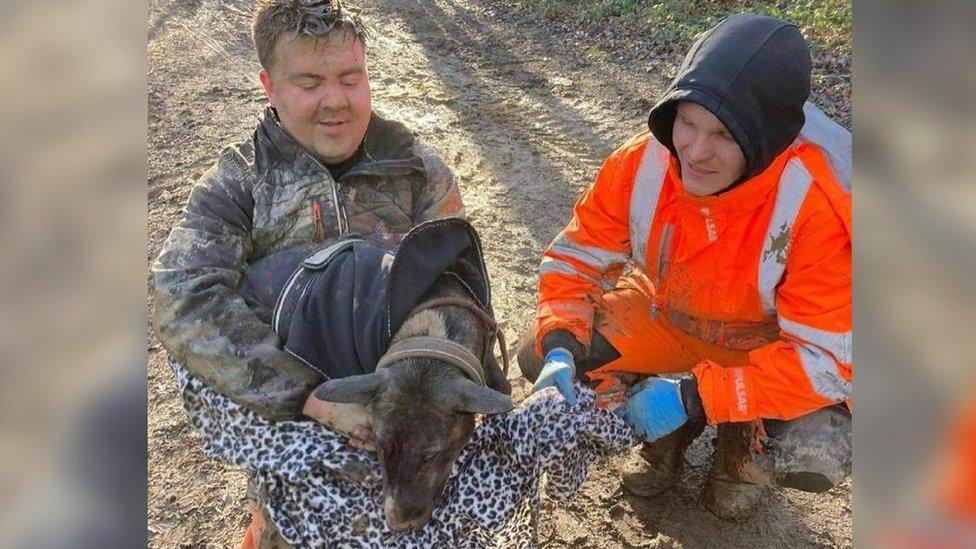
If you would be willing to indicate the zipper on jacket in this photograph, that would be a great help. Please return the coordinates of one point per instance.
(339, 211)
(663, 258)
(317, 220)
(374, 167)
(664, 250)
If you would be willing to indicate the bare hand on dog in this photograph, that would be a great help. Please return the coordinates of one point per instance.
(350, 420)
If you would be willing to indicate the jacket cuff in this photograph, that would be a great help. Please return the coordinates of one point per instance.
(566, 340)
(724, 393)
(691, 399)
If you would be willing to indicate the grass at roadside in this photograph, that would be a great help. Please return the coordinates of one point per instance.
(654, 35)
(825, 23)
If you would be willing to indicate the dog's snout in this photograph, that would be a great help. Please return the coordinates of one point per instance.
(400, 518)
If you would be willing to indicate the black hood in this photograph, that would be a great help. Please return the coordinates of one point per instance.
(753, 73)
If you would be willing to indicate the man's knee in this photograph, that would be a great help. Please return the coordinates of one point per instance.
(810, 453)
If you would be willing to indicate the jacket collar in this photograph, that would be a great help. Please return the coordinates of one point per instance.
(746, 196)
(388, 147)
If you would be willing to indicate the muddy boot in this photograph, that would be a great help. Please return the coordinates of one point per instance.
(660, 463)
(811, 453)
(735, 482)
(731, 500)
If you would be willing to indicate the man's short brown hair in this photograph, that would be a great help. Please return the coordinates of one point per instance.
(305, 18)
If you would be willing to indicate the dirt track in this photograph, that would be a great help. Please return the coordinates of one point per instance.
(525, 130)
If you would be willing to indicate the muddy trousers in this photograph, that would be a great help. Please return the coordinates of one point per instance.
(811, 453)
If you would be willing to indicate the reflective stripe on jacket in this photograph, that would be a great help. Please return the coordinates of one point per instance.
(764, 267)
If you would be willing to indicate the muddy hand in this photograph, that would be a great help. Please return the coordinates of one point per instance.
(349, 420)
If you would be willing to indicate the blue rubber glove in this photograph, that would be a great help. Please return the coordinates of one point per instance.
(559, 370)
(655, 409)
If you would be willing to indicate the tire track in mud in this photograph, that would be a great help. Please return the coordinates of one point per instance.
(522, 139)
(539, 111)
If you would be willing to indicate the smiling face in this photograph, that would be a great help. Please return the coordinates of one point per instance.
(320, 89)
(710, 158)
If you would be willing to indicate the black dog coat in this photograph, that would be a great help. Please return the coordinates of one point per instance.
(338, 310)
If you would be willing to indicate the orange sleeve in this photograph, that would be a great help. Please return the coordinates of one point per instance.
(590, 253)
(956, 476)
(811, 366)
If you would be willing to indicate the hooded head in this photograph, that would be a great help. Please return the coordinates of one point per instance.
(752, 73)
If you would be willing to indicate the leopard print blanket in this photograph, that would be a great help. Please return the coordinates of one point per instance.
(320, 492)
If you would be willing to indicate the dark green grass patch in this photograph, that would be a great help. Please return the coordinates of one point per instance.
(670, 25)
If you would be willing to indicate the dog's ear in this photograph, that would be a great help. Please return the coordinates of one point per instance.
(468, 396)
(351, 390)
(494, 376)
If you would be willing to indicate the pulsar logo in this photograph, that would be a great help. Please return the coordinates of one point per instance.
(740, 390)
(709, 225)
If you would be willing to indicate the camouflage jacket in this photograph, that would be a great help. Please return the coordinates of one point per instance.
(267, 195)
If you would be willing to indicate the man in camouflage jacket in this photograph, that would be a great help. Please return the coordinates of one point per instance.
(320, 165)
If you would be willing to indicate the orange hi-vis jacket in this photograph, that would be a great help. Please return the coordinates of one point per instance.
(764, 269)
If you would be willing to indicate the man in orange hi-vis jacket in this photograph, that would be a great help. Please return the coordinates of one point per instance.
(717, 245)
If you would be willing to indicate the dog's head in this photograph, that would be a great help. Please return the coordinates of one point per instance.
(422, 412)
